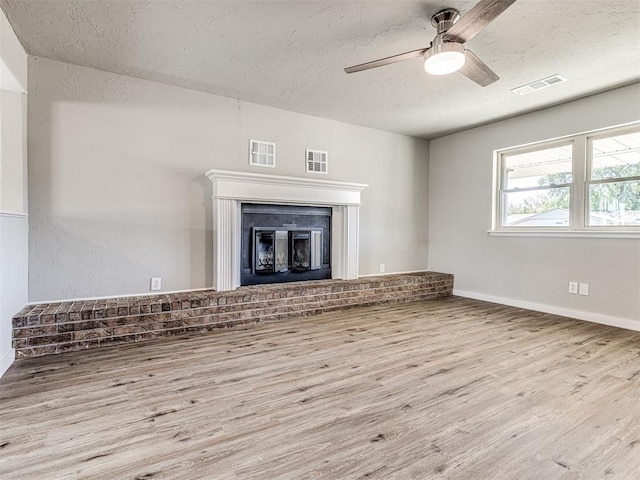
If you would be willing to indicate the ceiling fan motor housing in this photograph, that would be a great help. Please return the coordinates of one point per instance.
(445, 19)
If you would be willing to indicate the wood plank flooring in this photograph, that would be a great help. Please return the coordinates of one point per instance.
(442, 389)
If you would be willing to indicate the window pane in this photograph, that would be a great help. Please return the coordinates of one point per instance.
(616, 157)
(550, 166)
(615, 203)
(539, 208)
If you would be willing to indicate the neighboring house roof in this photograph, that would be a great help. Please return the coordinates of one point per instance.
(557, 216)
(560, 216)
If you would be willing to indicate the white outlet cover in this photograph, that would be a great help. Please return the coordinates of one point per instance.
(573, 287)
(156, 283)
(584, 289)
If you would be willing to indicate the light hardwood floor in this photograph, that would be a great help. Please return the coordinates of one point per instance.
(454, 389)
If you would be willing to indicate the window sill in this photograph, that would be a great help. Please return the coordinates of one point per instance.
(566, 233)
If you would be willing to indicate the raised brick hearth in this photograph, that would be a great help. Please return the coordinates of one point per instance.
(51, 328)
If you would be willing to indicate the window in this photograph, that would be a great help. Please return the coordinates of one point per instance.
(537, 186)
(587, 182)
(613, 184)
(262, 154)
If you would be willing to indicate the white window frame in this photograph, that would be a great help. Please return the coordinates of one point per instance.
(589, 181)
(503, 178)
(579, 189)
(253, 142)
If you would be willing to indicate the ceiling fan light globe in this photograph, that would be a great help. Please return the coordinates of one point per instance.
(444, 58)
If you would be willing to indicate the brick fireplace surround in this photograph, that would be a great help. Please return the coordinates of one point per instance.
(45, 329)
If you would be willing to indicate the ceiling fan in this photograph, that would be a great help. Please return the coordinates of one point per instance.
(447, 52)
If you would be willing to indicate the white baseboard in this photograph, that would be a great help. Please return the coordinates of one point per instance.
(565, 312)
(7, 360)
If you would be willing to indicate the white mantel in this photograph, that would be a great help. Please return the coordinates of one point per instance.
(231, 189)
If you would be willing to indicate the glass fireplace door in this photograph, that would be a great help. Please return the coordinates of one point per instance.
(270, 251)
(282, 252)
(306, 250)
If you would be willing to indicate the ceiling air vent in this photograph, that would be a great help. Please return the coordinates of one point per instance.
(317, 161)
(539, 84)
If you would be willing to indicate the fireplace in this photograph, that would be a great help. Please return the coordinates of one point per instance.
(285, 243)
(232, 189)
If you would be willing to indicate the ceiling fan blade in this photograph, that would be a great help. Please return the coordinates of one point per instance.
(476, 70)
(483, 13)
(386, 61)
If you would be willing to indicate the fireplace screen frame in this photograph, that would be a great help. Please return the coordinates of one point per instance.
(277, 250)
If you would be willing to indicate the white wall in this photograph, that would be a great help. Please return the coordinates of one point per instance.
(117, 190)
(530, 272)
(13, 59)
(13, 279)
(13, 163)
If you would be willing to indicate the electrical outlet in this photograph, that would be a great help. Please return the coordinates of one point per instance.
(382, 268)
(573, 287)
(156, 283)
(583, 289)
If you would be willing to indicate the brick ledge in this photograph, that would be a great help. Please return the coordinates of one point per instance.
(58, 327)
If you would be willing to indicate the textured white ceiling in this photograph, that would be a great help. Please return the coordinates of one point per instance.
(290, 54)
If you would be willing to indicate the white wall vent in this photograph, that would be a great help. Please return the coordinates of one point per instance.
(262, 154)
(317, 161)
(539, 84)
